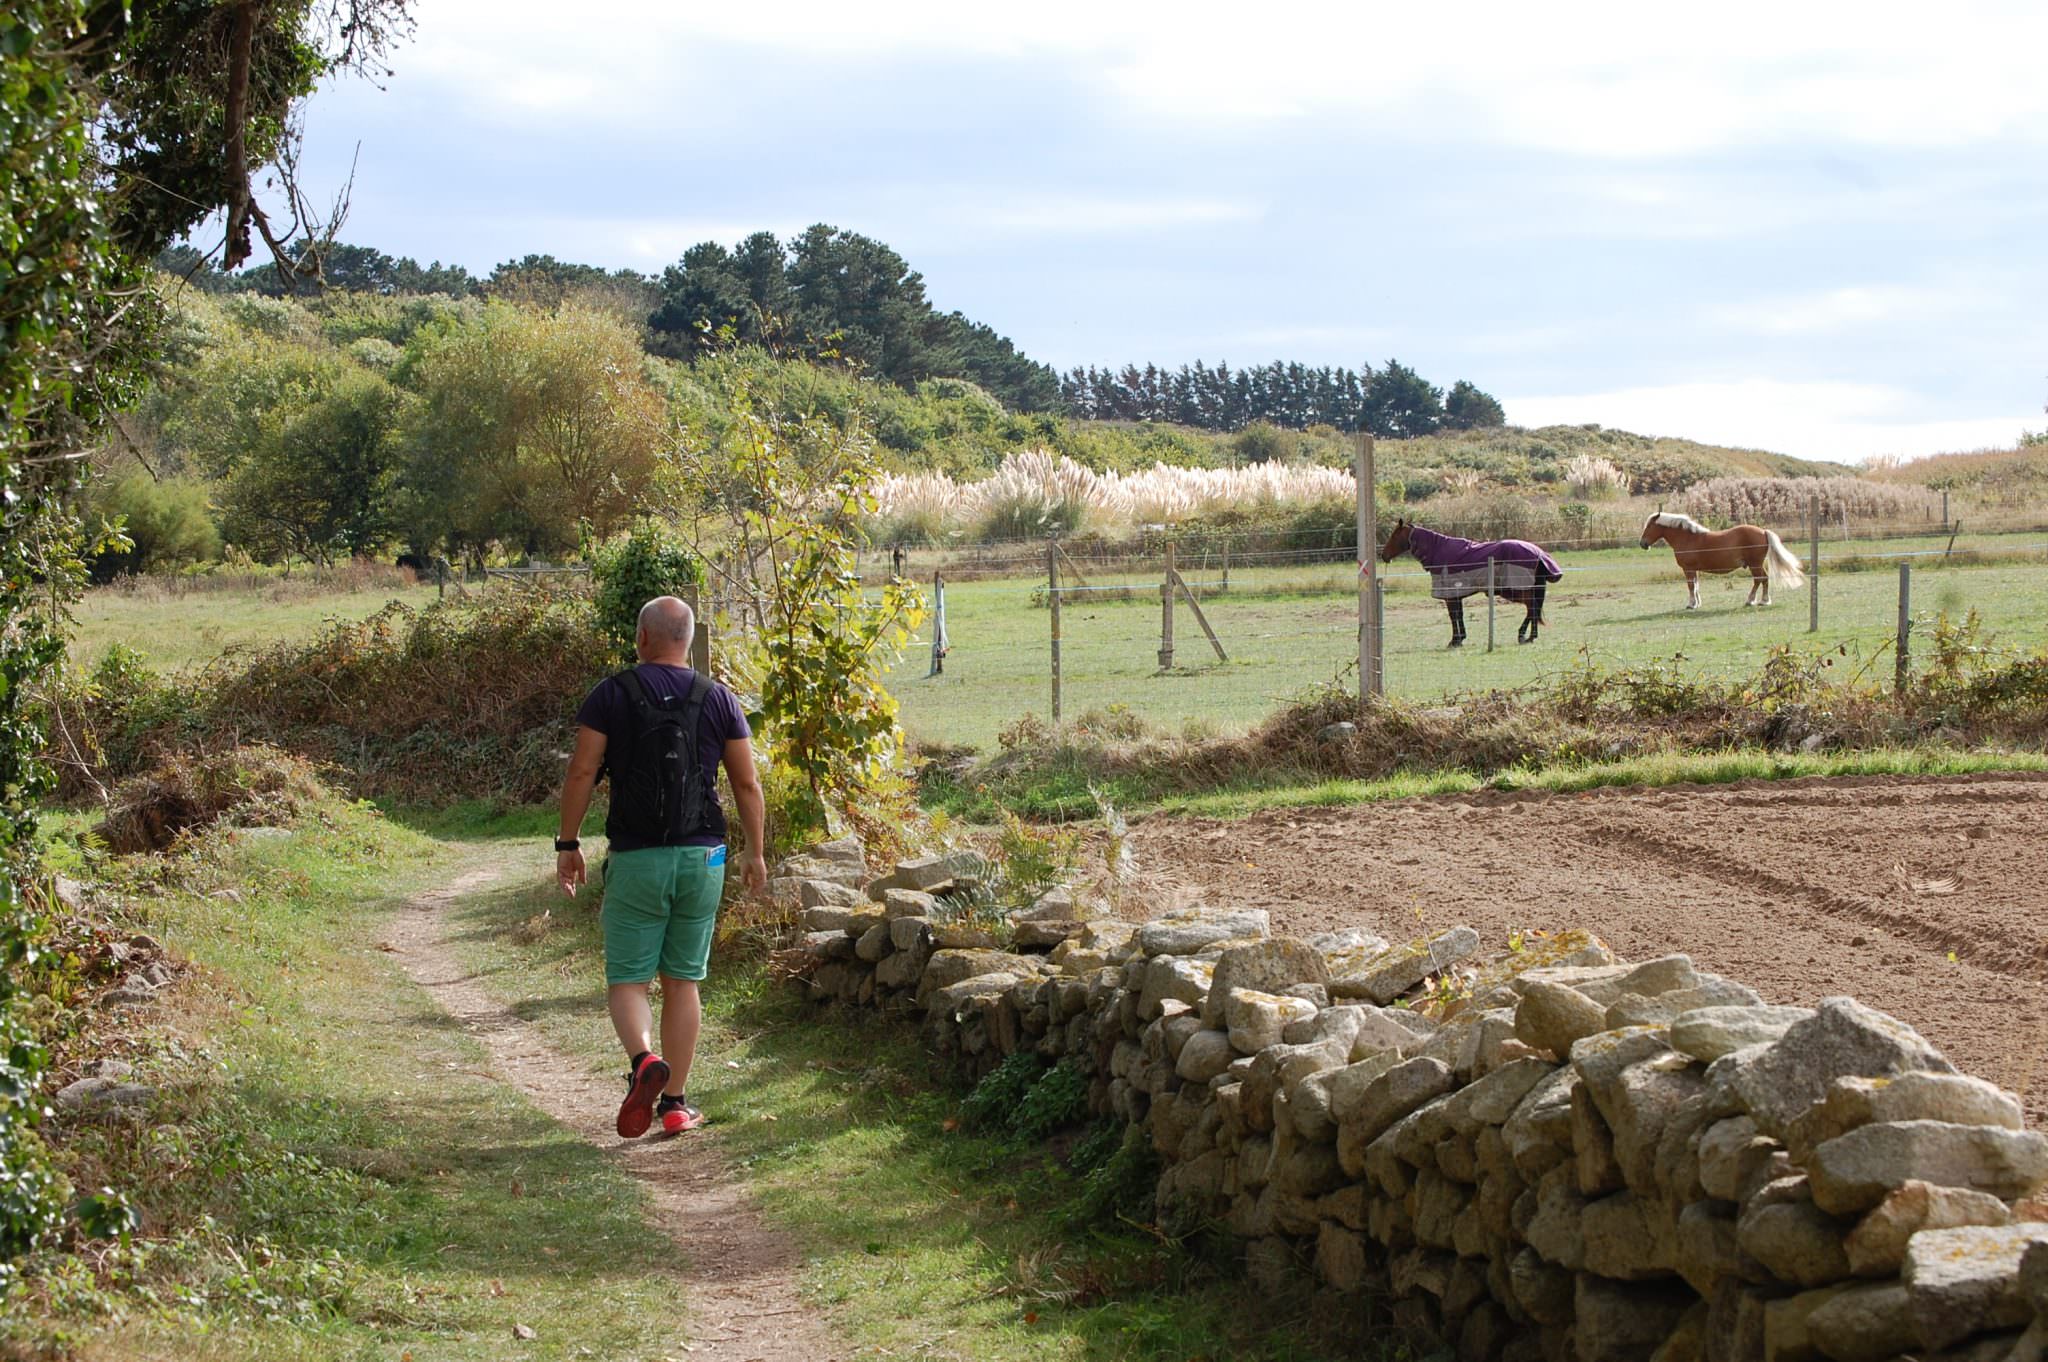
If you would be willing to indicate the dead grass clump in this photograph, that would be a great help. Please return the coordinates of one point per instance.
(451, 702)
(248, 786)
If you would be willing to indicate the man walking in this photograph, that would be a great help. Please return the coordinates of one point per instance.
(660, 731)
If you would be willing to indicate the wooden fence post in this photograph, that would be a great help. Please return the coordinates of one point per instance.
(1368, 574)
(1052, 587)
(1166, 613)
(700, 637)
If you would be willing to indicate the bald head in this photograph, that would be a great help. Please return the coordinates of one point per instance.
(667, 627)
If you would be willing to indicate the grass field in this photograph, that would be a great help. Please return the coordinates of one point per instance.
(1286, 629)
(195, 627)
(1283, 628)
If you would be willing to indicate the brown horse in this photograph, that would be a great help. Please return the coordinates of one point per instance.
(1699, 549)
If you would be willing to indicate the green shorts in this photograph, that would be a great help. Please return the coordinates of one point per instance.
(659, 907)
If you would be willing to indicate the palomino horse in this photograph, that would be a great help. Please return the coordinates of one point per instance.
(1457, 569)
(1699, 549)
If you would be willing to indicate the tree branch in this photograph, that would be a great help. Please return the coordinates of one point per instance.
(240, 41)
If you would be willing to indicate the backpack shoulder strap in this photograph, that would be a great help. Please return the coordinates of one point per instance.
(636, 689)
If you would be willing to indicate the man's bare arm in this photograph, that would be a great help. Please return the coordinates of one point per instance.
(753, 810)
(584, 764)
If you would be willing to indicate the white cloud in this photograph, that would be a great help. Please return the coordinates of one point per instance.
(1604, 78)
(1054, 213)
(1844, 309)
(1848, 422)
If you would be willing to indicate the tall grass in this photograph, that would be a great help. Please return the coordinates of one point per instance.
(1037, 492)
(1784, 501)
(1595, 478)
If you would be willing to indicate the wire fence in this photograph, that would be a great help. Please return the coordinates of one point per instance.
(1283, 621)
(1223, 551)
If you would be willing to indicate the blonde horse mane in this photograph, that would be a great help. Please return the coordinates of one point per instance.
(1672, 520)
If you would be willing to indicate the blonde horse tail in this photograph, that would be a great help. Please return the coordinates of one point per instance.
(1781, 564)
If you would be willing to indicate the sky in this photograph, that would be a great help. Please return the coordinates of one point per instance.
(1802, 226)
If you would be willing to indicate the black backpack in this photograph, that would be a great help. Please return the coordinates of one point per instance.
(658, 782)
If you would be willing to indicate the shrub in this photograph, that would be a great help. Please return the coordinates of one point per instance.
(168, 525)
(1057, 1100)
(1001, 1091)
(1124, 1186)
(631, 570)
(1262, 442)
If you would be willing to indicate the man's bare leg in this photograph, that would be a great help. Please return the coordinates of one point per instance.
(632, 1017)
(682, 1015)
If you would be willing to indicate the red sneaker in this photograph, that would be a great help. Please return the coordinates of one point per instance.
(643, 1086)
(677, 1115)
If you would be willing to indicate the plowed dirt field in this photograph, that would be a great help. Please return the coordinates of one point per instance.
(1923, 897)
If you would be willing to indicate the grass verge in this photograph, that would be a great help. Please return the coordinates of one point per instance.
(1720, 768)
(325, 1170)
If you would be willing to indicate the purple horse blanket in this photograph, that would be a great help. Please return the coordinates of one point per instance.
(1444, 553)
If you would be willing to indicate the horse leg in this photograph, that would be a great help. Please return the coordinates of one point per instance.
(1457, 609)
(1760, 580)
(1692, 589)
(1533, 621)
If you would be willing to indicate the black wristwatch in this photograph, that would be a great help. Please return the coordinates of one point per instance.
(567, 844)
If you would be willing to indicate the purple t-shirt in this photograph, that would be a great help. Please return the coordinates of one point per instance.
(609, 710)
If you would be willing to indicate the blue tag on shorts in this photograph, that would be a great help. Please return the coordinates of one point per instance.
(717, 857)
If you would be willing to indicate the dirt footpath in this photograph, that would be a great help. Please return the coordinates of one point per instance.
(1800, 889)
(742, 1303)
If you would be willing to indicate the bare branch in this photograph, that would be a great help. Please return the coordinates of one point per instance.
(239, 43)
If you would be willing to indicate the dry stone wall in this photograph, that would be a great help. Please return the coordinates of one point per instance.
(1564, 1155)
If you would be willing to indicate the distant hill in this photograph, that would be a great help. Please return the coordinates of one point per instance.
(1497, 456)
(1516, 454)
